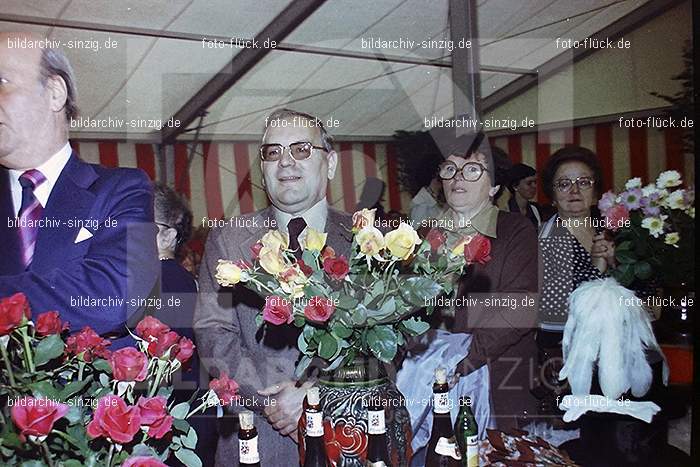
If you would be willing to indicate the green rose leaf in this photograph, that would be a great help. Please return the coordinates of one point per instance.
(328, 347)
(259, 320)
(49, 348)
(181, 425)
(624, 274)
(387, 309)
(347, 302)
(188, 457)
(382, 342)
(643, 270)
(180, 410)
(340, 330)
(359, 316)
(74, 413)
(190, 441)
(303, 364)
(415, 327)
(417, 290)
(625, 256)
(309, 258)
(74, 387)
(44, 389)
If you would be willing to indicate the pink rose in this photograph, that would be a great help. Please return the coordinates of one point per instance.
(478, 250)
(305, 268)
(115, 420)
(49, 323)
(319, 309)
(186, 349)
(436, 239)
(89, 344)
(327, 252)
(143, 461)
(149, 328)
(617, 217)
(155, 416)
(225, 388)
(162, 343)
(128, 364)
(277, 310)
(336, 268)
(255, 249)
(12, 309)
(35, 417)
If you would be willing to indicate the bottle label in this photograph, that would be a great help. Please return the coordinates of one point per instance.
(376, 464)
(248, 451)
(472, 451)
(376, 425)
(314, 424)
(448, 447)
(441, 402)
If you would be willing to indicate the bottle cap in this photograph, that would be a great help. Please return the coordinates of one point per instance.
(246, 420)
(312, 396)
(440, 375)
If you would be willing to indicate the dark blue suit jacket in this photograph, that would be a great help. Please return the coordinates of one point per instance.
(119, 262)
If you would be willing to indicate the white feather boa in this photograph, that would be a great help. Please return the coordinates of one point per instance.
(607, 329)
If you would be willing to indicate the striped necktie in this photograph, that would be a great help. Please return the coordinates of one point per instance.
(29, 213)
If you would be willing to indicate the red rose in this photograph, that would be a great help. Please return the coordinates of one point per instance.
(225, 388)
(89, 344)
(478, 250)
(436, 238)
(327, 252)
(35, 417)
(143, 461)
(150, 328)
(11, 311)
(255, 249)
(49, 323)
(305, 268)
(277, 310)
(161, 344)
(319, 309)
(186, 349)
(128, 364)
(155, 416)
(115, 420)
(336, 268)
(243, 264)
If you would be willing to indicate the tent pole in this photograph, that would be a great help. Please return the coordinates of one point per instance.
(465, 60)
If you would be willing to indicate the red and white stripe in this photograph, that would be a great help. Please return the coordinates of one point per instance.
(224, 179)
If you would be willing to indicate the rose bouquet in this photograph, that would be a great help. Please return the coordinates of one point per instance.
(71, 401)
(654, 230)
(352, 306)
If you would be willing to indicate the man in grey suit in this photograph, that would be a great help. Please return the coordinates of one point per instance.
(297, 161)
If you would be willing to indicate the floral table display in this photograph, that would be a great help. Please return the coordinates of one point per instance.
(354, 314)
(71, 401)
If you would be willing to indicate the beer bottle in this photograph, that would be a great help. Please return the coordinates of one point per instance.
(247, 440)
(315, 455)
(442, 447)
(466, 431)
(377, 453)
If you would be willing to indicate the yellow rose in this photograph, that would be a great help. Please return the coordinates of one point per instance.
(371, 241)
(402, 241)
(275, 240)
(314, 240)
(362, 219)
(271, 260)
(292, 281)
(458, 249)
(228, 274)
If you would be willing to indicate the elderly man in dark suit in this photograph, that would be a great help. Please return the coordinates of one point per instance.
(75, 237)
(297, 162)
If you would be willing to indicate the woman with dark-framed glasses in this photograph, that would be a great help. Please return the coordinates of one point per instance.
(574, 250)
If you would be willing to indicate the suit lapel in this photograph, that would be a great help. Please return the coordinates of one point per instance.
(338, 225)
(70, 204)
(9, 236)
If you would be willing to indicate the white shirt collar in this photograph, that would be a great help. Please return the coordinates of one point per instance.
(51, 169)
(315, 217)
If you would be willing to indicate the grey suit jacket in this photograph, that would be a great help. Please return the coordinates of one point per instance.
(229, 340)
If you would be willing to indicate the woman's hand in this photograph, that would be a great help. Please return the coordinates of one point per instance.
(604, 249)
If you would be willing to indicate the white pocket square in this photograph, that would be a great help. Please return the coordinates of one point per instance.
(84, 234)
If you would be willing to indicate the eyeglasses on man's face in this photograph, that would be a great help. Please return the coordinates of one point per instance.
(564, 185)
(471, 171)
(300, 150)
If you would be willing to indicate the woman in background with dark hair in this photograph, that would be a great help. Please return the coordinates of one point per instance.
(573, 248)
(522, 184)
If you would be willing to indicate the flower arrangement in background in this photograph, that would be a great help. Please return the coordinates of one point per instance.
(71, 401)
(654, 230)
(354, 306)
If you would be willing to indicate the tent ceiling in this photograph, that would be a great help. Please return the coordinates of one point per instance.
(151, 78)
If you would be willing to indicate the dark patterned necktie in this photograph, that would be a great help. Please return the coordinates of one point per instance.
(29, 213)
(295, 227)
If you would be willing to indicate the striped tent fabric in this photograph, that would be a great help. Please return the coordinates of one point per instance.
(224, 179)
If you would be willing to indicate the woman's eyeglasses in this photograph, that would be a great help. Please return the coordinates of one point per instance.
(565, 184)
(471, 171)
(299, 151)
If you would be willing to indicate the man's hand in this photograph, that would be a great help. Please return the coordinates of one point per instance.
(285, 412)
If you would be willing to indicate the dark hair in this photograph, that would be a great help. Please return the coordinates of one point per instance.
(501, 165)
(571, 154)
(517, 173)
(173, 209)
(55, 63)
